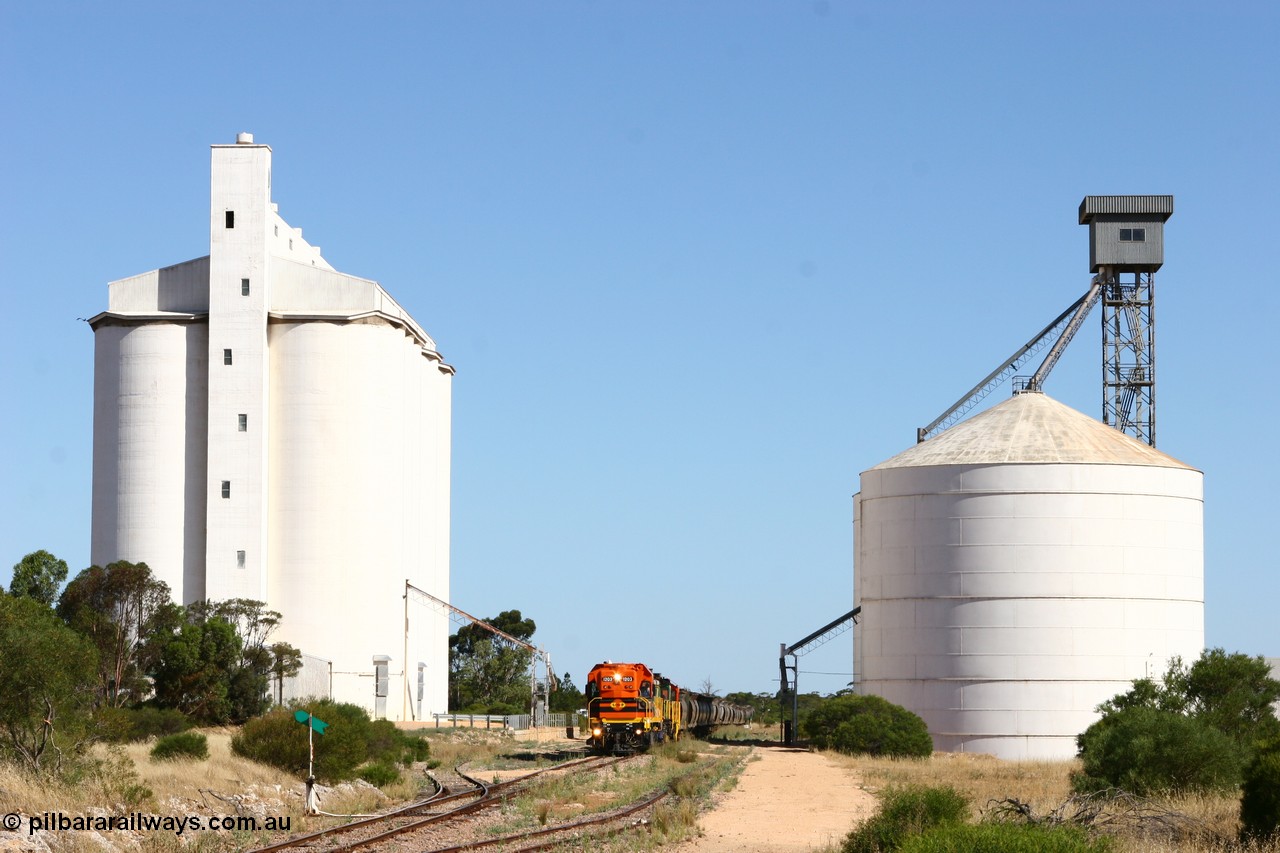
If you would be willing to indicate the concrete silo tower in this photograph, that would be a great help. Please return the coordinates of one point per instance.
(1019, 569)
(267, 427)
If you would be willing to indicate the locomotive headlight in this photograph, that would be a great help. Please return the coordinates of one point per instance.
(597, 732)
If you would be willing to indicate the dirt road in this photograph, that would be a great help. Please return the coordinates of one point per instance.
(786, 801)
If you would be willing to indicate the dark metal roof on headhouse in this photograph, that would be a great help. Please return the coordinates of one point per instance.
(1158, 205)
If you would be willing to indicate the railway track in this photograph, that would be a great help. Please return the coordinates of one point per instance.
(443, 807)
(553, 836)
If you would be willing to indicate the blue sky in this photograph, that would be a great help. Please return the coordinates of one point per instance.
(698, 265)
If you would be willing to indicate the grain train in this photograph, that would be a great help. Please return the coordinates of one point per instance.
(630, 707)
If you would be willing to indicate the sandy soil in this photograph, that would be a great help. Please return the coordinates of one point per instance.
(786, 801)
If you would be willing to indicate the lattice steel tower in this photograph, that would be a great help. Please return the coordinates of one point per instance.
(1126, 247)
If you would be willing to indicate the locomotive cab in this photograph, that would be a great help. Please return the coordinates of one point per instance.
(629, 707)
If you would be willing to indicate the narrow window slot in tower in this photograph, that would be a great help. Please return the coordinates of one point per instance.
(231, 219)
(226, 488)
(244, 287)
(226, 356)
(242, 423)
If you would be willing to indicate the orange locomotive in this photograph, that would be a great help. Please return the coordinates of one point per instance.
(631, 707)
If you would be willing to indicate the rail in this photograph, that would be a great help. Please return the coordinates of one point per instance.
(410, 818)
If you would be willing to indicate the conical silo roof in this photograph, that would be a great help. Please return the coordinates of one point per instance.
(1031, 428)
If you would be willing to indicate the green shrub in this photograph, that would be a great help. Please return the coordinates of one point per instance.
(867, 724)
(182, 745)
(275, 738)
(379, 773)
(384, 740)
(115, 775)
(1234, 693)
(1004, 838)
(128, 725)
(416, 748)
(1146, 751)
(905, 812)
(1260, 801)
(1192, 731)
(389, 745)
(350, 740)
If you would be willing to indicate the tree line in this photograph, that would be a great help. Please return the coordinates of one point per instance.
(489, 675)
(111, 655)
(90, 662)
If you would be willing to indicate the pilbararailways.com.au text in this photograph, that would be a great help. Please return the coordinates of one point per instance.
(139, 822)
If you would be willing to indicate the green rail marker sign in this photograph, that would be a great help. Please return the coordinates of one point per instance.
(318, 726)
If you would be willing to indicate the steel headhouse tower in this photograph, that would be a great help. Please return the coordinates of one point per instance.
(1126, 247)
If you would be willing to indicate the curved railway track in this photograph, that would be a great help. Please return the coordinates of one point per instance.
(572, 829)
(443, 806)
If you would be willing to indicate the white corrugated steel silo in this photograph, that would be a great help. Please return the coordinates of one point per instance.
(1019, 569)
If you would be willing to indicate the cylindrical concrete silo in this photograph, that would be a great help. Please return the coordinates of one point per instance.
(149, 412)
(431, 626)
(350, 489)
(337, 459)
(1021, 568)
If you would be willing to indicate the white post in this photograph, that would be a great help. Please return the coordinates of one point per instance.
(312, 803)
(404, 707)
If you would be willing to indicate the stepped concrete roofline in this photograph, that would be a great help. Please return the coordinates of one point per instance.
(1031, 428)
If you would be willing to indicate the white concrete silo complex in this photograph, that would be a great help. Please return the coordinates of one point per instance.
(1021, 568)
(267, 427)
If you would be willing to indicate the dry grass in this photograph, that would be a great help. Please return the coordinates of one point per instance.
(25, 795)
(689, 771)
(223, 771)
(1044, 786)
(674, 821)
(451, 747)
(751, 732)
(127, 780)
